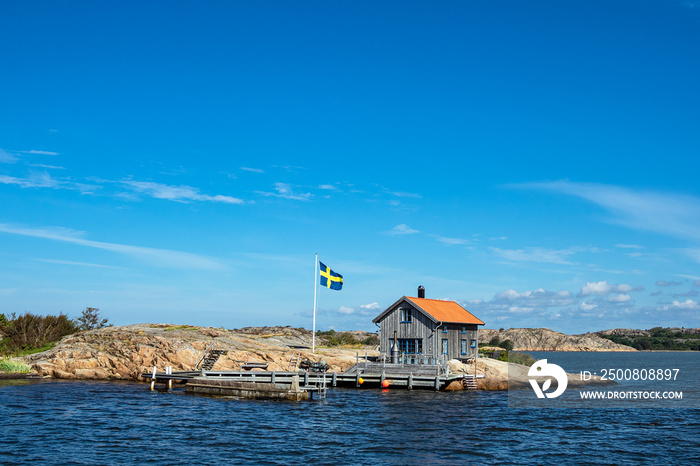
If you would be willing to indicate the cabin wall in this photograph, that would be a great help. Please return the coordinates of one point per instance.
(420, 328)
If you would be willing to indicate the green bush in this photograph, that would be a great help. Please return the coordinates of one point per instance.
(30, 331)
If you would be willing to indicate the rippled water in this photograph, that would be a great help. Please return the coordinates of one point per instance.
(124, 423)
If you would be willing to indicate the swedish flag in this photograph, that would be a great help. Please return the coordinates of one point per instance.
(330, 279)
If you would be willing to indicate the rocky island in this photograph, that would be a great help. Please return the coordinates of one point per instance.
(126, 352)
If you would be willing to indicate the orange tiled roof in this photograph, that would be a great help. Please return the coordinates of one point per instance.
(446, 311)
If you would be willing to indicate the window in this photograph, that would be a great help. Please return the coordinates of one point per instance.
(464, 347)
(464, 329)
(406, 316)
(473, 343)
(444, 346)
(444, 329)
(411, 345)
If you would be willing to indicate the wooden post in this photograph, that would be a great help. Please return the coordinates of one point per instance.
(153, 379)
(272, 377)
(437, 383)
(334, 380)
(306, 378)
(410, 380)
(169, 371)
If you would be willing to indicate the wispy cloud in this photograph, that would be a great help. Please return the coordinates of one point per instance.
(286, 191)
(6, 157)
(40, 180)
(535, 254)
(176, 193)
(254, 170)
(82, 264)
(38, 152)
(402, 229)
(451, 241)
(41, 165)
(157, 257)
(670, 214)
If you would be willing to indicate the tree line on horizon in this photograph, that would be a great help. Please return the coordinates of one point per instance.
(659, 339)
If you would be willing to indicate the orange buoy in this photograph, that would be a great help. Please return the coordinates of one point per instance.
(361, 381)
(385, 383)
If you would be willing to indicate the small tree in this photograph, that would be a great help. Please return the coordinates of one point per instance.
(506, 345)
(91, 318)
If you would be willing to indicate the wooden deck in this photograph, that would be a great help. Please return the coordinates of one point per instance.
(361, 375)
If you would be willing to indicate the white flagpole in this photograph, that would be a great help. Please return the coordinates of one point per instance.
(313, 335)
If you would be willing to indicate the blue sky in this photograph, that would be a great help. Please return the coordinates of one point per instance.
(183, 161)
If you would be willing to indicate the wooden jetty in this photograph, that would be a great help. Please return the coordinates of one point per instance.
(301, 385)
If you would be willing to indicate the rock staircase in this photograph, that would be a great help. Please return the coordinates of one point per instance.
(211, 358)
(208, 358)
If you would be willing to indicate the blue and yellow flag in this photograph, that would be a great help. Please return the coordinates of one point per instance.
(330, 279)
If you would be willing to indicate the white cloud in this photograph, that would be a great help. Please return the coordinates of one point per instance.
(346, 310)
(629, 246)
(452, 241)
(552, 256)
(176, 193)
(404, 194)
(671, 214)
(158, 257)
(694, 254)
(587, 306)
(402, 229)
(328, 187)
(371, 306)
(38, 152)
(688, 304)
(41, 165)
(285, 191)
(84, 264)
(254, 170)
(621, 298)
(41, 180)
(602, 288)
(7, 158)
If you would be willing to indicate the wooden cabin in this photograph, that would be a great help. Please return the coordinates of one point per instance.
(428, 329)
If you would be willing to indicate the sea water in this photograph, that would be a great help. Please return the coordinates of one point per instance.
(82, 422)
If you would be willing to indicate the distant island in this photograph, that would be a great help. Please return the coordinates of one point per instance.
(656, 339)
(544, 339)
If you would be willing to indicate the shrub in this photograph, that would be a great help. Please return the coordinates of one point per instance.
(30, 331)
(371, 340)
(506, 345)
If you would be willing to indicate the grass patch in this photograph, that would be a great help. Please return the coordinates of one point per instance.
(46, 347)
(177, 327)
(9, 365)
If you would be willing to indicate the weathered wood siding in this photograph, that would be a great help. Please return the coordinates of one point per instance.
(420, 328)
(453, 334)
(423, 328)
